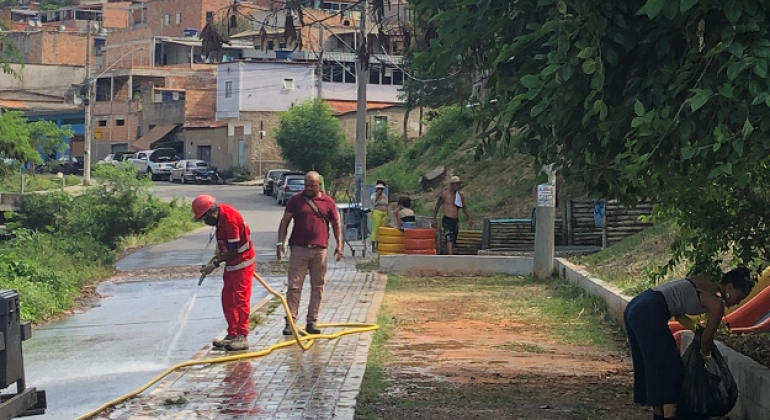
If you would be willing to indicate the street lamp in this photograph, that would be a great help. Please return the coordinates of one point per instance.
(89, 84)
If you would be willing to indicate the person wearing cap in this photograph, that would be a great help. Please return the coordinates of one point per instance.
(451, 200)
(379, 211)
(235, 250)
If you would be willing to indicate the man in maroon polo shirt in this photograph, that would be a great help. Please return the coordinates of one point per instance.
(312, 212)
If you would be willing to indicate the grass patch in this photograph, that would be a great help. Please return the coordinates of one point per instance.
(552, 309)
(12, 182)
(272, 306)
(178, 222)
(632, 263)
(255, 319)
(375, 382)
(368, 265)
(524, 348)
(557, 307)
(61, 244)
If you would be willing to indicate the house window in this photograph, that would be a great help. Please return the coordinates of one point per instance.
(350, 73)
(166, 20)
(102, 123)
(281, 45)
(387, 76)
(119, 147)
(270, 45)
(151, 126)
(228, 89)
(337, 73)
(209, 16)
(398, 77)
(328, 69)
(374, 75)
(120, 123)
(288, 83)
(178, 18)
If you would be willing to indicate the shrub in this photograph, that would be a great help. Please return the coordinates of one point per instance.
(383, 149)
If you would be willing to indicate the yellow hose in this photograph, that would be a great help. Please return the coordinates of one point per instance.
(354, 328)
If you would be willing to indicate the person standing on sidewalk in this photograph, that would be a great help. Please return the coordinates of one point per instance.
(312, 213)
(234, 248)
(451, 200)
(379, 212)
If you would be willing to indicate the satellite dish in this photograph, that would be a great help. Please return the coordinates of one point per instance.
(77, 100)
(62, 28)
(31, 23)
(38, 24)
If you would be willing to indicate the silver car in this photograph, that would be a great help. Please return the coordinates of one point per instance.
(189, 170)
(291, 185)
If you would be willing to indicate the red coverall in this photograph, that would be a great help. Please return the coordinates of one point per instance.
(233, 233)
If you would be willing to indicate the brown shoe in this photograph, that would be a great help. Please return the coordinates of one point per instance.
(239, 344)
(224, 342)
(287, 330)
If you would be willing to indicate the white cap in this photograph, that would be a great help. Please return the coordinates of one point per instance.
(378, 186)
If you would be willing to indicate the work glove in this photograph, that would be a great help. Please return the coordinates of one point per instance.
(208, 268)
(706, 356)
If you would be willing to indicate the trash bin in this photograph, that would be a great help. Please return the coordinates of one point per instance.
(13, 333)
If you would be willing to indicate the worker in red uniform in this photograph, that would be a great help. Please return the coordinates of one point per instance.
(234, 248)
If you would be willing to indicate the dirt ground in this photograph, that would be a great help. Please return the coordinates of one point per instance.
(752, 345)
(468, 354)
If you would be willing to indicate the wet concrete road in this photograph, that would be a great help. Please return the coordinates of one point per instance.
(90, 358)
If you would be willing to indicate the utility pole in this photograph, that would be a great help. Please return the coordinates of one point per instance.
(89, 104)
(320, 60)
(545, 215)
(362, 78)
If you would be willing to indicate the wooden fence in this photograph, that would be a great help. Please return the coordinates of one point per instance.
(581, 225)
(515, 234)
(621, 221)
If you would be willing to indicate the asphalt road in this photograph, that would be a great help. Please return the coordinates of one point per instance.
(140, 327)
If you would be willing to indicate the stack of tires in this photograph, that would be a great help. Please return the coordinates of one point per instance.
(390, 241)
(420, 241)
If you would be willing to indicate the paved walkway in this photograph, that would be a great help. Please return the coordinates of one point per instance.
(322, 383)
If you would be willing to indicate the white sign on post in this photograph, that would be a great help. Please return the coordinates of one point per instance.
(545, 195)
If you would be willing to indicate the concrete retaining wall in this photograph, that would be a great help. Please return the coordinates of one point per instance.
(752, 378)
(448, 265)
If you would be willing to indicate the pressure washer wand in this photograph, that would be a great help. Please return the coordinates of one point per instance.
(204, 274)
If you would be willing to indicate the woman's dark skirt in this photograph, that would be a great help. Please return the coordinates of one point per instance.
(658, 366)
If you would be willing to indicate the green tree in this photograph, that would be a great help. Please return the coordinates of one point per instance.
(311, 138)
(21, 140)
(661, 99)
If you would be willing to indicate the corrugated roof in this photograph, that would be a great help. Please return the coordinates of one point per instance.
(346, 107)
(10, 104)
(155, 134)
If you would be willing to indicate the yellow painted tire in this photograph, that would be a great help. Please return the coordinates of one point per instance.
(395, 248)
(390, 231)
(390, 239)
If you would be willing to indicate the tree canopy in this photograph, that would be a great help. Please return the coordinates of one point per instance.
(667, 100)
(22, 140)
(311, 138)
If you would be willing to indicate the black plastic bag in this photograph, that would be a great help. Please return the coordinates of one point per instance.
(708, 388)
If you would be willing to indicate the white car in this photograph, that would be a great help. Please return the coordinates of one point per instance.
(157, 163)
(189, 170)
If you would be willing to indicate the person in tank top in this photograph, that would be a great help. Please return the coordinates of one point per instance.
(658, 368)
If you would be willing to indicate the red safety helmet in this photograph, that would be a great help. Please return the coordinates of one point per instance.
(202, 204)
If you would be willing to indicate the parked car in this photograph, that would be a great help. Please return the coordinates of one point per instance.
(67, 165)
(108, 160)
(157, 163)
(271, 179)
(123, 158)
(293, 184)
(279, 183)
(189, 170)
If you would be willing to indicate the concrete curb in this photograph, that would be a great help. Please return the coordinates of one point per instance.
(455, 265)
(752, 378)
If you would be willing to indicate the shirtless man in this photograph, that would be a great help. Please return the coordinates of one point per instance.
(452, 200)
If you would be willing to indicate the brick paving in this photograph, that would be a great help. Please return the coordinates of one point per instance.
(321, 383)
